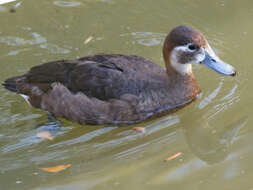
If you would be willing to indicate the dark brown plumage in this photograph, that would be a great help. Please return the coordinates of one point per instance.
(110, 88)
(101, 89)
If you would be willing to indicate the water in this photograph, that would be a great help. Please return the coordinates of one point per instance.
(213, 133)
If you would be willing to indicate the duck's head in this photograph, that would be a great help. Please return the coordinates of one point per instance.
(185, 46)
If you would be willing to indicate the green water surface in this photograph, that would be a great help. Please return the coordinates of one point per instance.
(214, 133)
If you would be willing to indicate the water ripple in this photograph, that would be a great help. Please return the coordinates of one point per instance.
(54, 48)
(67, 3)
(207, 100)
(84, 138)
(37, 39)
(146, 38)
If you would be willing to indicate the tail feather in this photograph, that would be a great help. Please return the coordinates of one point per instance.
(11, 83)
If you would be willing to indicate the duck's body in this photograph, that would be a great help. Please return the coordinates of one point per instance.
(108, 88)
(104, 89)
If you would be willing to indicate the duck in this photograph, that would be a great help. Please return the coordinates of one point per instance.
(120, 89)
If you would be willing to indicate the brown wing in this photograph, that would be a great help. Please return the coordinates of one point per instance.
(100, 76)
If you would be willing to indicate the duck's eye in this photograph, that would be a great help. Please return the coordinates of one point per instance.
(192, 47)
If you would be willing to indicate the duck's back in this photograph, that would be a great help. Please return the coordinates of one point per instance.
(100, 76)
(111, 76)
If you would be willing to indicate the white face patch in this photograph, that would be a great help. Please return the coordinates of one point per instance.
(185, 68)
(179, 67)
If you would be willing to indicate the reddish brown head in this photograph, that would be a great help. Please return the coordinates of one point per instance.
(185, 46)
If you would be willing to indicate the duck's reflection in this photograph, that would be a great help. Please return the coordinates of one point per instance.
(208, 142)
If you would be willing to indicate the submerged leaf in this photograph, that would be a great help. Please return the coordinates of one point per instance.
(88, 39)
(172, 157)
(56, 169)
(139, 129)
(44, 135)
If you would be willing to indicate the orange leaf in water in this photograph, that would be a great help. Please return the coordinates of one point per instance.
(172, 157)
(56, 169)
(44, 135)
(139, 129)
(88, 39)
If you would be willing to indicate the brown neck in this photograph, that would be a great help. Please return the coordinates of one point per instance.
(186, 83)
(166, 57)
